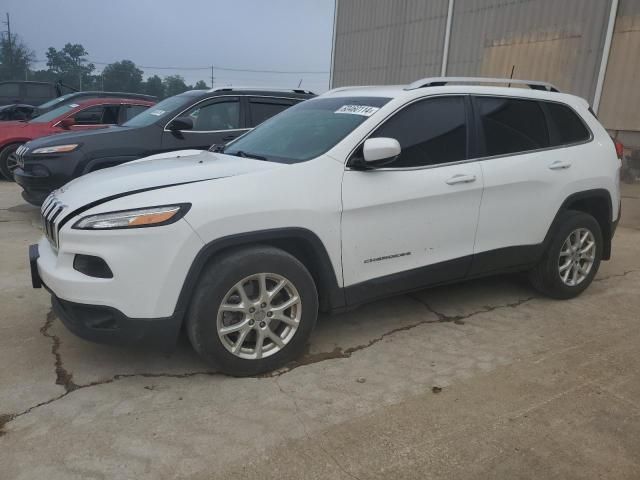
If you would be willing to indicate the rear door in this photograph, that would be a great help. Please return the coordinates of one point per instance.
(525, 170)
(215, 120)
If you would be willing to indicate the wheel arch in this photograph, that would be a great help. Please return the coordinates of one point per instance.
(299, 242)
(595, 202)
(14, 141)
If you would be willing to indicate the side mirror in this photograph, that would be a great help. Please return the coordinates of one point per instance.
(67, 123)
(380, 151)
(180, 123)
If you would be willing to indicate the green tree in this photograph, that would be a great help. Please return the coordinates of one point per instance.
(153, 86)
(70, 65)
(15, 57)
(122, 76)
(200, 85)
(173, 85)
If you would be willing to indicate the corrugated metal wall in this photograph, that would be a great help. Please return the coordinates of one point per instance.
(556, 41)
(387, 42)
(620, 103)
(560, 41)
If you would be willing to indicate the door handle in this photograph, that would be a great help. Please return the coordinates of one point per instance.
(461, 178)
(559, 165)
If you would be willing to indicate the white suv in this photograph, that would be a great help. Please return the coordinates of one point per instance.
(355, 195)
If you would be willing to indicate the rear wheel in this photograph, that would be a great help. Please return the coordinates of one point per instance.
(9, 160)
(253, 311)
(572, 258)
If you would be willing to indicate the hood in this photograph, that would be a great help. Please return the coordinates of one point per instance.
(162, 171)
(77, 136)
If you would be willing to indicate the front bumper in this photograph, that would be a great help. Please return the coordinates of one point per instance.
(35, 187)
(102, 324)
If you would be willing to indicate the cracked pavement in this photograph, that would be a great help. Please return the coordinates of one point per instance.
(484, 379)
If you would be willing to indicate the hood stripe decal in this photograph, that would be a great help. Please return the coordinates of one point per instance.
(95, 203)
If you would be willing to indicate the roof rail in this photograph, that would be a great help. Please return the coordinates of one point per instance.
(440, 81)
(268, 89)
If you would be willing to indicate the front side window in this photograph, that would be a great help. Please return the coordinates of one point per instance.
(568, 128)
(160, 110)
(430, 132)
(512, 125)
(131, 111)
(263, 109)
(97, 115)
(221, 115)
(307, 129)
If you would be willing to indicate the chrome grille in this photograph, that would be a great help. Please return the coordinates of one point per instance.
(19, 153)
(50, 211)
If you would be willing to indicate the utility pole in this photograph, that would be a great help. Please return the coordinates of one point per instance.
(212, 78)
(8, 24)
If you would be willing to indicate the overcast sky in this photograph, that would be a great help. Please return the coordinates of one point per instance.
(283, 35)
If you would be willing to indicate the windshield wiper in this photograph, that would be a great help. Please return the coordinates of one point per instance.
(242, 154)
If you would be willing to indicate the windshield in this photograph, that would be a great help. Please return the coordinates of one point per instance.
(55, 101)
(159, 110)
(55, 113)
(306, 130)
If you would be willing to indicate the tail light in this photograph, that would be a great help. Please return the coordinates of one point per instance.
(619, 148)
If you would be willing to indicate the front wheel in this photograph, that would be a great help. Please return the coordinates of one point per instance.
(253, 311)
(9, 161)
(572, 258)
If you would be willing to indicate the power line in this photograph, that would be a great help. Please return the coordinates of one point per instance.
(225, 69)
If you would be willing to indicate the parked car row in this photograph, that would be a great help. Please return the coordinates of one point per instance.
(196, 119)
(349, 197)
(69, 116)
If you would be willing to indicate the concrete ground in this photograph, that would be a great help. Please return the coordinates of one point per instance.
(484, 379)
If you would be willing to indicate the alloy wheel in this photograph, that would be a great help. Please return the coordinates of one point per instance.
(577, 257)
(259, 316)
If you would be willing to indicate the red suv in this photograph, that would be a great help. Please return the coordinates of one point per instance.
(83, 115)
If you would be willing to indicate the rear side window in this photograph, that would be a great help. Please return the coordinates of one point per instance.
(567, 126)
(262, 109)
(39, 91)
(512, 125)
(430, 132)
(10, 90)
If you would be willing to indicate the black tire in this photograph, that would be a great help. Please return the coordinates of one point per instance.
(545, 277)
(4, 160)
(216, 281)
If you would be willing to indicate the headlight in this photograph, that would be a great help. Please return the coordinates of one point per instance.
(57, 149)
(140, 217)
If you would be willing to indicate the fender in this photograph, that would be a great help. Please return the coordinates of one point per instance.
(608, 225)
(305, 243)
(14, 141)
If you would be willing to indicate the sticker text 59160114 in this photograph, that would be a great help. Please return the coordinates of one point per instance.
(363, 110)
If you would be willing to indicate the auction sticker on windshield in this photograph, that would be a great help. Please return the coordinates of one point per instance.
(363, 110)
(157, 113)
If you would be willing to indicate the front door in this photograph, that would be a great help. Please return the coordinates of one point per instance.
(217, 120)
(413, 222)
